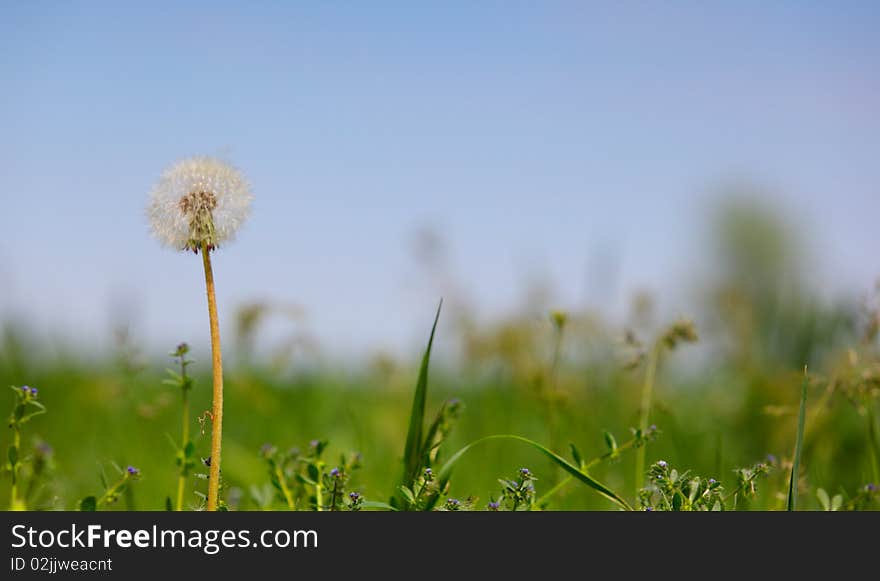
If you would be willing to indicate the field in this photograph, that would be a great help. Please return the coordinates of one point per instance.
(721, 402)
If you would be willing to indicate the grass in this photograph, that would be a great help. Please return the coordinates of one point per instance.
(323, 440)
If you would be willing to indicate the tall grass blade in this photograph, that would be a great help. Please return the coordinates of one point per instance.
(445, 472)
(412, 455)
(798, 448)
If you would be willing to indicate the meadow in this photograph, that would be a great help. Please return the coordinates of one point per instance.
(655, 413)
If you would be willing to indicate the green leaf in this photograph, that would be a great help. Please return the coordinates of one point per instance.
(824, 501)
(610, 441)
(578, 459)
(377, 504)
(190, 450)
(13, 456)
(88, 504)
(445, 472)
(836, 502)
(798, 448)
(412, 452)
(408, 495)
(168, 506)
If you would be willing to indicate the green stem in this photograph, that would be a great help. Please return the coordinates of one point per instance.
(181, 477)
(644, 413)
(15, 503)
(550, 394)
(585, 467)
(873, 442)
(282, 481)
(319, 496)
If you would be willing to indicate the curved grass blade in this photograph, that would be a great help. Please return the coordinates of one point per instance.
(798, 448)
(446, 470)
(412, 457)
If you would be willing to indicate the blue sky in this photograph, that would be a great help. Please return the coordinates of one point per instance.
(534, 136)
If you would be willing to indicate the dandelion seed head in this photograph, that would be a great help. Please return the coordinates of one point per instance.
(198, 200)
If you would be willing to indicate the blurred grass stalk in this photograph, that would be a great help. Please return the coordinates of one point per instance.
(645, 411)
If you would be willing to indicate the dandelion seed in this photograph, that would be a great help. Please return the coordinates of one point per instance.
(197, 201)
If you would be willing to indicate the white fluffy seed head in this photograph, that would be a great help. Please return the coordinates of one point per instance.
(198, 200)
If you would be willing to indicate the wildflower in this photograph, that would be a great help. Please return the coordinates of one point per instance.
(354, 496)
(662, 464)
(871, 487)
(132, 471)
(335, 473)
(198, 201)
(524, 472)
(494, 505)
(429, 474)
(712, 481)
(771, 459)
(453, 504)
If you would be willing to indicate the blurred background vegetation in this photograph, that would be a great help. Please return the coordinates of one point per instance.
(728, 400)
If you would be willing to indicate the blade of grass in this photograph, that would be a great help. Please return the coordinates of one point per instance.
(446, 470)
(412, 457)
(873, 442)
(798, 448)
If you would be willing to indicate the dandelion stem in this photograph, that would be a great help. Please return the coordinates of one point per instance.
(217, 367)
(644, 412)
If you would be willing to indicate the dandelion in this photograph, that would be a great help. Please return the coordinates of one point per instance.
(199, 204)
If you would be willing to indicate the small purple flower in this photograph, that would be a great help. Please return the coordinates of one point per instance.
(712, 481)
(266, 449)
(871, 487)
(314, 443)
(428, 473)
(652, 428)
(334, 473)
(662, 464)
(524, 472)
(771, 458)
(355, 497)
(34, 391)
(649, 509)
(132, 471)
(453, 504)
(494, 505)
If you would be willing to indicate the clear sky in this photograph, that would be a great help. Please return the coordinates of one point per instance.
(534, 136)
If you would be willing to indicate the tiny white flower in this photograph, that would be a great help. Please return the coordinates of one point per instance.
(198, 200)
